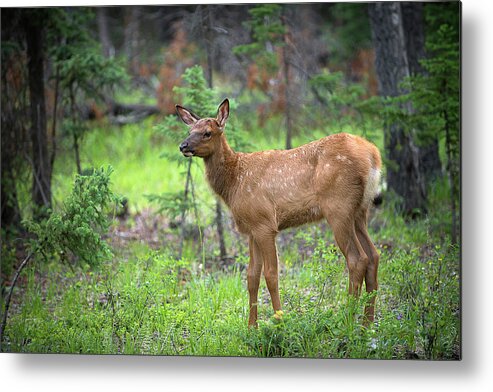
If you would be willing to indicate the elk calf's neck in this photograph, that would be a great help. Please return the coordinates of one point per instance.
(335, 178)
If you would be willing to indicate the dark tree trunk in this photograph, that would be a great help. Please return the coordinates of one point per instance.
(429, 160)
(41, 187)
(77, 153)
(75, 136)
(414, 33)
(220, 230)
(11, 140)
(104, 36)
(413, 25)
(10, 206)
(403, 172)
(132, 37)
(9, 203)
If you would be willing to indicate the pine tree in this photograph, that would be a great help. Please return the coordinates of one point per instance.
(435, 96)
(404, 174)
(269, 29)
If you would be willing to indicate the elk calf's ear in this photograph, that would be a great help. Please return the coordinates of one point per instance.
(223, 113)
(187, 116)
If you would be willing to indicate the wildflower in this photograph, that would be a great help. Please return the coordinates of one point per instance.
(278, 315)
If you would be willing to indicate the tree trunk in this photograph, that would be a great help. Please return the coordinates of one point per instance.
(413, 23)
(131, 36)
(41, 187)
(403, 172)
(287, 86)
(104, 36)
(287, 97)
(75, 136)
(185, 200)
(77, 154)
(452, 178)
(429, 160)
(207, 28)
(10, 147)
(220, 230)
(10, 206)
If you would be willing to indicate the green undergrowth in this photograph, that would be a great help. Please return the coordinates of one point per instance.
(147, 302)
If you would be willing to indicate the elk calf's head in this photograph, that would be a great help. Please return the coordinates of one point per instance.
(204, 135)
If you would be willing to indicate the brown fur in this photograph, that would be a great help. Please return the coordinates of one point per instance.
(334, 178)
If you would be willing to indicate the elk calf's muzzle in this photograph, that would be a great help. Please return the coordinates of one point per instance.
(185, 149)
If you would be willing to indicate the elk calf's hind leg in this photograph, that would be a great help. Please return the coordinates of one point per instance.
(357, 262)
(371, 281)
(356, 258)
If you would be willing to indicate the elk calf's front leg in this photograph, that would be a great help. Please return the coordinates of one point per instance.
(268, 251)
(253, 280)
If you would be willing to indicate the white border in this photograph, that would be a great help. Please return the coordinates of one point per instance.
(86, 373)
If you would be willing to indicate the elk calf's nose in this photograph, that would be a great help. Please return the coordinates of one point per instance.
(183, 146)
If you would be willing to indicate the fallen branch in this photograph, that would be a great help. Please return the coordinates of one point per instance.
(9, 295)
(116, 109)
(121, 114)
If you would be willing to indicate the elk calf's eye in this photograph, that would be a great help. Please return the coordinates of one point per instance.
(207, 134)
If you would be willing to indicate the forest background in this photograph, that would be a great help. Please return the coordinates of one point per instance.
(163, 272)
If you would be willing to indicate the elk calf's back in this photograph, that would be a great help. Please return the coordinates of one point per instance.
(335, 178)
(292, 187)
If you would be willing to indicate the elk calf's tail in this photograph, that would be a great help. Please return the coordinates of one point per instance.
(378, 199)
(372, 194)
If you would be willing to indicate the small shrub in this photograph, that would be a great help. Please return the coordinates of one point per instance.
(78, 228)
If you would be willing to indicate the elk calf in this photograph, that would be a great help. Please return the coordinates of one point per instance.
(335, 178)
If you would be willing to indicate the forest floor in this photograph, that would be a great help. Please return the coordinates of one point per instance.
(145, 301)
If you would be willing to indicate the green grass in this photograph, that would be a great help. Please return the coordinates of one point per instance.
(144, 307)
